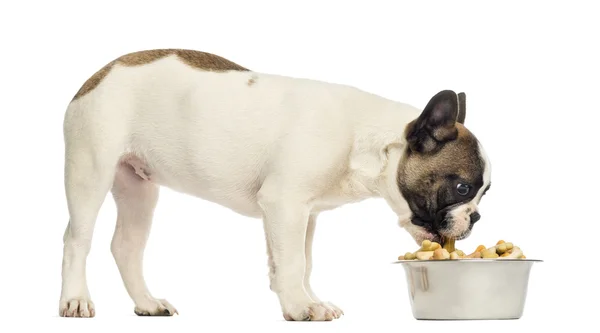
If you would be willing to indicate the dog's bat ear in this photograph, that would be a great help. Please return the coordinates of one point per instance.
(436, 124)
(462, 108)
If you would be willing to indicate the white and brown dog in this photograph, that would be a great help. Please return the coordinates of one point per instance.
(266, 146)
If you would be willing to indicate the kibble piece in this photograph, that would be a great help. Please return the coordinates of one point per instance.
(406, 256)
(474, 255)
(441, 254)
(489, 254)
(424, 255)
(454, 256)
(501, 248)
(438, 254)
(516, 253)
(428, 245)
(500, 242)
(446, 254)
(480, 248)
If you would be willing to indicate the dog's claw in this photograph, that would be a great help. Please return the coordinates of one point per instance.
(316, 312)
(311, 314)
(159, 307)
(77, 308)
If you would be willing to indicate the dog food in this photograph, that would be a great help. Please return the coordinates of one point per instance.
(434, 251)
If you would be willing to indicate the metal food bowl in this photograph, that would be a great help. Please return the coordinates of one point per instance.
(467, 289)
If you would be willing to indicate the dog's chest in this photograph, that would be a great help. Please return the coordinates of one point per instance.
(353, 186)
(335, 199)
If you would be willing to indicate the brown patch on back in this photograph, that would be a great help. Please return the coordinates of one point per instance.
(94, 80)
(208, 61)
(197, 59)
(143, 57)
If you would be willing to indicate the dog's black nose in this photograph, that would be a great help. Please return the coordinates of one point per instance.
(475, 217)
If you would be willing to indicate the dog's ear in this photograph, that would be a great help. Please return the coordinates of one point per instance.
(436, 124)
(462, 108)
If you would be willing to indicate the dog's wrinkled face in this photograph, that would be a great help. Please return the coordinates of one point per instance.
(444, 171)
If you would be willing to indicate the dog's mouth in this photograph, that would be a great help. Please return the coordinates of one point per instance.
(445, 234)
(429, 227)
(464, 235)
(440, 230)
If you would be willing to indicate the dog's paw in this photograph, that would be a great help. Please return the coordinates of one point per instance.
(337, 311)
(80, 308)
(313, 312)
(155, 307)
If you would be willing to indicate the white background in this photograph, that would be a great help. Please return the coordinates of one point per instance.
(530, 71)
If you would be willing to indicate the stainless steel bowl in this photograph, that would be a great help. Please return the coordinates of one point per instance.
(467, 289)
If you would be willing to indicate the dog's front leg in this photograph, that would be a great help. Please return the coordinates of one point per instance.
(285, 223)
(310, 233)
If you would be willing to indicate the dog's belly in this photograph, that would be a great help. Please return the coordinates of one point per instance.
(240, 201)
(237, 194)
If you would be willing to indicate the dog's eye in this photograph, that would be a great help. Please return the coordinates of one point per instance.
(463, 189)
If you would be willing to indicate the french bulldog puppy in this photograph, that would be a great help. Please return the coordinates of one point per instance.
(269, 147)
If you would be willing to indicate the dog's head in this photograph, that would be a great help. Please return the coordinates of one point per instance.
(444, 171)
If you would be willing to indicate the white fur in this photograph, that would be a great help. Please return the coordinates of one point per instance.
(281, 149)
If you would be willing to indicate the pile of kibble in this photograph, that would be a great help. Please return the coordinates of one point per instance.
(434, 251)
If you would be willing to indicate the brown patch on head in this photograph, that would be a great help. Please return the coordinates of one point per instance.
(458, 159)
(441, 154)
(197, 59)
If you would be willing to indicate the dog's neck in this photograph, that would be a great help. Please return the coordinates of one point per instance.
(379, 147)
(388, 183)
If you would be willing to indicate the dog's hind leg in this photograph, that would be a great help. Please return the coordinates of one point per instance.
(92, 151)
(136, 200)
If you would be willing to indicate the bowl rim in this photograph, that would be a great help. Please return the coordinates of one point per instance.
(486, 260)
